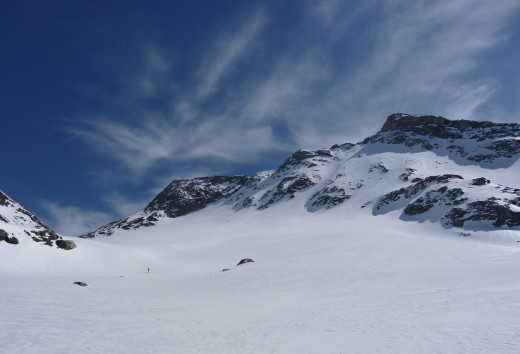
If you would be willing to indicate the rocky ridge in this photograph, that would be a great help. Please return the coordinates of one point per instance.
(17, 224)
(476, 142)
(179, 198)
(384, 173)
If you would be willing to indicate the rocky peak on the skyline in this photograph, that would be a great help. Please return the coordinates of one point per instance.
(181, 197)
(439, 127)
(480, 143)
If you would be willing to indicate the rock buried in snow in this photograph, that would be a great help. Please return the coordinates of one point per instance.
(12, 240)
(80, 283)
(65, 244)
(245, 260)
(3, 235)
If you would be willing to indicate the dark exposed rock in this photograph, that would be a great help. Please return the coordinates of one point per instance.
(505, 147)
(245, 260)
(80, 283)
(379, 167)
(345, 146)
(179, 198)
(455, 217)
(29, 214)
(5, 200)
(66, 244)
(45, 236)
(424, 131)
(406, 174)
(479, 181)
(301, 155)
(419, 185)
(12, 240)
(287, 187)
(443, 196)
(3, 235)
(329, 196)
(438, 127)
(482, 210)
(182, 197)
(418, 207)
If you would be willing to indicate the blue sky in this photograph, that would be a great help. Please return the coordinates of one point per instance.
(105, 102)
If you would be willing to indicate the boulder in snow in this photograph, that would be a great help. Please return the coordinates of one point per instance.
(245, 260)
(66, 244)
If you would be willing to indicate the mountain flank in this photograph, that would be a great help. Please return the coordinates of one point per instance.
(424, 168)
(17, 224)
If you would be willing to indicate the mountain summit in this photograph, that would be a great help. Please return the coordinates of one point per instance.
(424, 168)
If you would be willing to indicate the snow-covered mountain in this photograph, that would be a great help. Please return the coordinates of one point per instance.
(455, 172)
(19, 226)
(356, 249)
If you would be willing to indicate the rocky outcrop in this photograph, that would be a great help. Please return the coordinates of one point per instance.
(490, 141)
(4, 236)
(179, 198)
(491, 209)
(24, 224)
(182, 197)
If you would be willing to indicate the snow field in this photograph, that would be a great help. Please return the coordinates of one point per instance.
(319, 284)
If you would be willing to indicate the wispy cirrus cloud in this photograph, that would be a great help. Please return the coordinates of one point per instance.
(73, 221)
(153, 75)
(420, 58)
(342, 68)
(183, 133)
(269, 84)
(227, 50)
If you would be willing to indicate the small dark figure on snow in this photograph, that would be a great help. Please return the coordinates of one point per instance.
(148, 270)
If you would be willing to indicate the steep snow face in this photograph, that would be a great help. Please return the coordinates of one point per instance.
(459, 173)
(19, 226)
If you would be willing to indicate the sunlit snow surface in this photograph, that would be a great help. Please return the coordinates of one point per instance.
(335, 281)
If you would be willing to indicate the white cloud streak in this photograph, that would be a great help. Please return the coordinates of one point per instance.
(73, 221)
(422, 55)
(225, 54)
(337, 84)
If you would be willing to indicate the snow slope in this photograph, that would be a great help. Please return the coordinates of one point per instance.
(357, 249)
(319, 283)
(20, 229)
(458, 173)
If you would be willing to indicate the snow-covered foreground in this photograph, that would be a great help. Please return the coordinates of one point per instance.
(321, 283)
